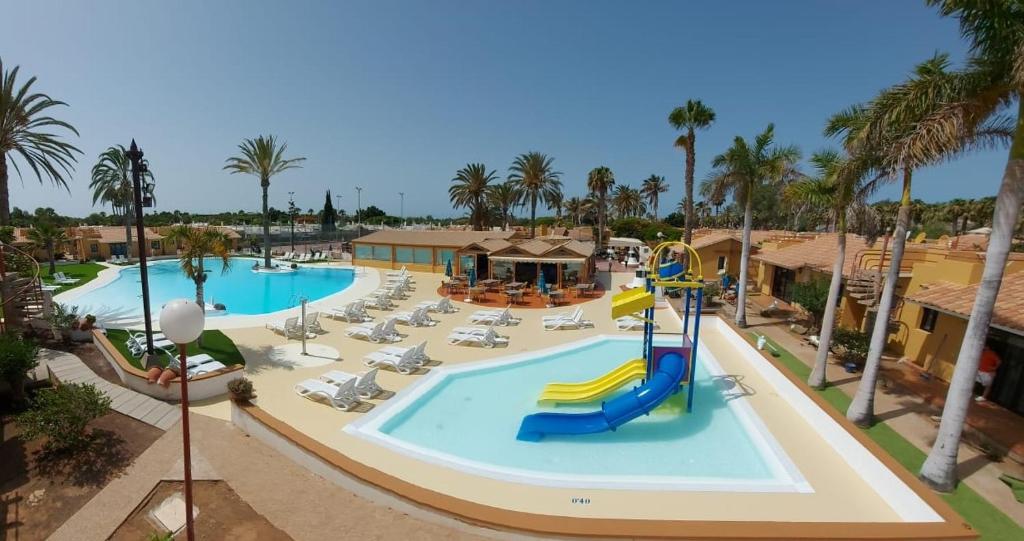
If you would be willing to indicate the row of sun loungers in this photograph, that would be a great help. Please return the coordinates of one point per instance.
(195, 365)
(305, 257)
(399, 359)
(61, 278)
(340, 389)
(292, 327)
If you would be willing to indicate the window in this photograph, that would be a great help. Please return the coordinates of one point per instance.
(721, 262)
(94, 248)
(155, 245)
(444, 255)
(928, 318)
(382, 253)
(364, 252)
(422, 256)
(466, 262)
(403, 254)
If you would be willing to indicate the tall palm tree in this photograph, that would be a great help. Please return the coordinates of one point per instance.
(48, 236)
(195, 244)
(652, 187)
(969, 100)
(263, 158)
(835, 188)
(628, 202)
(877, 132)
(505, 197)
(470, 189)
(556, 203)
(600, 181)
(27, 131)
(112, 184)
(690, 117)
(576, 208)
(741, 170)
(534, 178)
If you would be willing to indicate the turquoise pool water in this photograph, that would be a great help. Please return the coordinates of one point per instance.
(240, 290)
(472, 416)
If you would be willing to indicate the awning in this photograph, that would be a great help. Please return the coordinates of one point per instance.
(513, 259)
(625, 242)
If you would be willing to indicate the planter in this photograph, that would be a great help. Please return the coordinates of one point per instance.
(79, 336)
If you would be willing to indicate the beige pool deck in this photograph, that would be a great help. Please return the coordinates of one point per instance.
(843, 503)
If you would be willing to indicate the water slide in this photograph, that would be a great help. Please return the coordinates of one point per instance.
(588, 391)
(639, 401)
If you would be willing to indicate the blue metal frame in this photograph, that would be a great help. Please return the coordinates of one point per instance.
(693, 350)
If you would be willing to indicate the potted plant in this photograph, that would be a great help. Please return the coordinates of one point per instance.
(240, 390)
(851, 347)
(68, 325)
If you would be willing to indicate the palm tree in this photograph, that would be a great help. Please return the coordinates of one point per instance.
(112, 184)
(691, 117)
(534, 178)
(741, 170)
(263, 158)
(576, 208)
(878, 132)
(835, 189)
(505, 197)
(195, 244)
(651, 188)
(600, 181)
(968, 102)
(628, 202)
(48, 236)
(470, 189)
(555, 203)
(26, 131)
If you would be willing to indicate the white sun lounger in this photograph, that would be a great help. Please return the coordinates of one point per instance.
(574, 322)
(382, 331)
(61, 278)
(419, 352)
(631, 323)
(488, 339)
(353, 312)
(493, 317)
(341, 397)
(402, 272)
(313, 323)
(416, 318)
(366, 383)
(403, 364)
(443, 306)
(380, 301)
(290, 328)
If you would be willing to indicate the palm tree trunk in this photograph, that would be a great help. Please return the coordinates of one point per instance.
(690, 143)
(862, 409)
(603, 206)
(200, 291)
(741, 285)
(817, 378)
(655, 203)
(5, 197)
(939, 469)
(533, 214)
(265, 183)
(53, 260)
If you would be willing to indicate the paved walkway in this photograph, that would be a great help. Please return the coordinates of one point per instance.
(68, 368)
(302, 504)
(912, 416)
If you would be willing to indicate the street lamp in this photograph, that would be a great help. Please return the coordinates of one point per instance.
(291, 215)
(402, 196)
(140, 169)
(337, 214)
(359, 207)
(182, 322)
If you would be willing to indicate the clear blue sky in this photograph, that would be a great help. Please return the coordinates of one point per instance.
(396, 96)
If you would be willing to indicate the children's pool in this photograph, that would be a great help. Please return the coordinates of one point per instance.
(240, 290)
(467, 418)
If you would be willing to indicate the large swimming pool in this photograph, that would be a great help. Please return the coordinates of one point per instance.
(240, 290)
(467, 418)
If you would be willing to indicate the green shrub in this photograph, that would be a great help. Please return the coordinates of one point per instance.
(241, 389)
(62, 415)
(639, 228)
(17, 357)
(851, 346)
(711, 290)
(813, 297)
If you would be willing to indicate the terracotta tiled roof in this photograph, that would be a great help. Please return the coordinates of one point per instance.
(958, 299)
(818, 253)
(969, 242)
(455, 239)
(585, 249)
(716, 237)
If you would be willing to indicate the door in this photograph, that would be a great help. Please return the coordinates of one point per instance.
(1008, 386)
(782, 284)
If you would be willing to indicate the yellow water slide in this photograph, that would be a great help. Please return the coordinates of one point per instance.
(588, 391)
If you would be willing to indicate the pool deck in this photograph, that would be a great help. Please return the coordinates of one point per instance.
(841, 495)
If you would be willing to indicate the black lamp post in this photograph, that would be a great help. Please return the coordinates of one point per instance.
(291, 216)
(139, 170)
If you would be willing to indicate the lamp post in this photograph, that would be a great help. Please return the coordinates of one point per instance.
(337, 214)
(139, 169)
(402, 196)
(291, 216)
(359, 207)
(182, 321)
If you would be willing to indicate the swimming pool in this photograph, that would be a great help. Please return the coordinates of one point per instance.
(467, 417)
(240, 290)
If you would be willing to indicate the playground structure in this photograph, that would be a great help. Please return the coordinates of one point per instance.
(663, 370)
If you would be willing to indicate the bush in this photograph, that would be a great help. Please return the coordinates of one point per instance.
(851, 346)
(62, 415)
(241, 389)
(639, 228)
(711, 290)
(813, 297)
(17, 357)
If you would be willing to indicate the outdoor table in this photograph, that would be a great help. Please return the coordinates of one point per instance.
(557, 296)
(490, 283)
(514, 295)
(583, 289)
(516, 285)
(477, 293)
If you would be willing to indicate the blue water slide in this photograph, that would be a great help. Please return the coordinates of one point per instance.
(613, 413)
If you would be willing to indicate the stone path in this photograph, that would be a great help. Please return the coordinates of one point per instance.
(68, 368)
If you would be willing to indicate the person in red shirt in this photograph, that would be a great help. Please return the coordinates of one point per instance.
(987, 368)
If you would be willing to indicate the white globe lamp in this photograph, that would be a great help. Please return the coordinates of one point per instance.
(182, 321)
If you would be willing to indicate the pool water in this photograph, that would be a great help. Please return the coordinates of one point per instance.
(469, 420)
(240, 290)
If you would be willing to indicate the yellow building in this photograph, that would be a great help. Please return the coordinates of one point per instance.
(99, 243)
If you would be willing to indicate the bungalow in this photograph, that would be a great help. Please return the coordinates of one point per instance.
(102, 242)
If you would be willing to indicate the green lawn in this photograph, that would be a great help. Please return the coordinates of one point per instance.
(986, 519)
(215, 344)
(83, 272)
